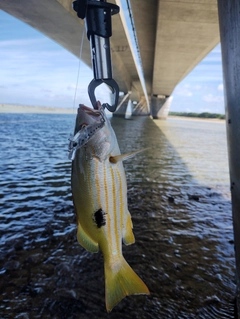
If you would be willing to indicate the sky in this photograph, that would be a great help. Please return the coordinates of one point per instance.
(202, 89)
(37, 71)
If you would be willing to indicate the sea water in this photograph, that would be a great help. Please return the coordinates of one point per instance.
(178, 194)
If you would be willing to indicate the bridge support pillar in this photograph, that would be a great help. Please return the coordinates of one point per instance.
(141, 108)
(160, 106)
(229, 20)
(122, 105)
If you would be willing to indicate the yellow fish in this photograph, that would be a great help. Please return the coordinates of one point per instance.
(99, 191)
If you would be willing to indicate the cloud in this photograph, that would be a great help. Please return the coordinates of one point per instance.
(202, 89)
(209, 70)
(46, 91)
(21, 43)
(210, 98)
(197, 87)
(183, 90)
(185, 93)
(71, 87)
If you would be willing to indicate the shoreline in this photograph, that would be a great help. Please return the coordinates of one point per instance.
(185, 118)
(12, 108)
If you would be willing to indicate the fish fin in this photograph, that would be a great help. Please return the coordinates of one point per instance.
(123, 157)
(121, 281)
(85, 241)
(128, 237)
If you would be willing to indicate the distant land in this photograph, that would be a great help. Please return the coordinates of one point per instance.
(12, 108)
(204, 115)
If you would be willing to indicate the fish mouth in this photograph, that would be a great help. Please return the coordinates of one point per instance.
(87, 116)
(93, 112)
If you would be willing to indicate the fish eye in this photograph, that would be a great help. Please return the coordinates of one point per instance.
(112, 160)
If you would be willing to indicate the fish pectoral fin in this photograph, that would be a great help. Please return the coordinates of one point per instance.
(121, 281)
(128, 237)
(85, 241)
(123, 157)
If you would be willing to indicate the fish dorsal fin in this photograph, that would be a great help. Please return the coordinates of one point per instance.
(123, 157)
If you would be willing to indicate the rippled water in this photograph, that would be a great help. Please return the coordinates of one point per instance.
(180, 205)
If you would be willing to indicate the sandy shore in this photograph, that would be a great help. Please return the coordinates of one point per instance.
(195, 119)
(11, 108)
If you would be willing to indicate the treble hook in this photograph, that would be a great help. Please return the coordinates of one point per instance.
(99, 30)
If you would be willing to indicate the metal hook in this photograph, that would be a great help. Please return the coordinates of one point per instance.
(112, 84)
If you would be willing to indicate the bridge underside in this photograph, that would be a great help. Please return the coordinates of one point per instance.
(173, 37)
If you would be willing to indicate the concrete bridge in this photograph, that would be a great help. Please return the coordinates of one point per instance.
(173, 36)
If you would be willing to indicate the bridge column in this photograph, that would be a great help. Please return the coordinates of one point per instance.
(160, 105)
(141, 108)
(122, 105)
(229, 20)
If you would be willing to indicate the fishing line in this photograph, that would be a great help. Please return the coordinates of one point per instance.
(78, 74)
(79, 66)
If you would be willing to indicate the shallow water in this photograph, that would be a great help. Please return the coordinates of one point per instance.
(180, 205)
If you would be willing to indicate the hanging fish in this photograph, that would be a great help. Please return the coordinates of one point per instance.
(100, 200)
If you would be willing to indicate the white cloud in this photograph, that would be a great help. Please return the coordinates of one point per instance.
(183, 90)
(46, 91)
(197, 87)
(20, 43)
(210, 98)
(220, 87)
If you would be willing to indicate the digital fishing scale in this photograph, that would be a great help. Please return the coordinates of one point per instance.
(98, 23)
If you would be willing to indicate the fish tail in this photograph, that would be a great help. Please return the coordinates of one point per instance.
(121, 281)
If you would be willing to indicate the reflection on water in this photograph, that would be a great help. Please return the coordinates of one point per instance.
(182, 223)
(201, 144)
